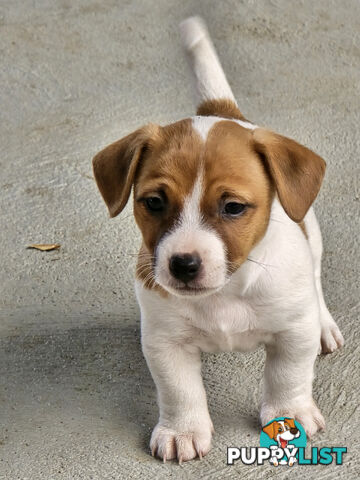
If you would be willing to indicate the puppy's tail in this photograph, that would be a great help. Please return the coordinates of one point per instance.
(210, 79)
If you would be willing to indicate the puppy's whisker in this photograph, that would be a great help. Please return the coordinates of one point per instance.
(150, 278)
(148, 261)
(149, 274)
(141, 255)
(146, 264)
(260, 263)
(257, 263)
(144, 268)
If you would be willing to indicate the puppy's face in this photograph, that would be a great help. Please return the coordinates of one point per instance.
(201, 204)
(202, 195)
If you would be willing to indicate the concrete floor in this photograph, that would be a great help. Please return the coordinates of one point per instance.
(76, 398)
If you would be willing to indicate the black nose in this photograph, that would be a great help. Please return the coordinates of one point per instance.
(185, 267)
(294, 430)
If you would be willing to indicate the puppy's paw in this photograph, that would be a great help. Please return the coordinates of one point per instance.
(331, 337)
(305, 412)
(311, 419)
(183, 445)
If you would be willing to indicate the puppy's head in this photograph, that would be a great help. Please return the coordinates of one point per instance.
(203, 190)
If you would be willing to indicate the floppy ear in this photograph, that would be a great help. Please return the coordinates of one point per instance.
(290, 422)
(270, 430)
(297, 172)
(115, 166)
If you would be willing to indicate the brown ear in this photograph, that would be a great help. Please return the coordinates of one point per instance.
(290, 422)
(270, 430)
(115, 166)
(296, 171)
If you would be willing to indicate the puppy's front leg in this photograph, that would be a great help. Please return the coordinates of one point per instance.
(184, 429)
(289, 374)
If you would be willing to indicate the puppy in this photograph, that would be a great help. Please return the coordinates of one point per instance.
(230, 257)
(282, 432)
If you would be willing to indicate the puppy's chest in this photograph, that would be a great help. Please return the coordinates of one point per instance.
(225, 324)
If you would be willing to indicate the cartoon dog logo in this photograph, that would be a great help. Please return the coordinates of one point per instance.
(283, 432)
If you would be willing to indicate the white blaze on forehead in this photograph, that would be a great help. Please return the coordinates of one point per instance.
(190, 235)
(191, 215)
(248, 125)
(203, 124)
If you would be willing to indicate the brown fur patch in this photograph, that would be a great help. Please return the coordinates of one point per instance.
(171, 168)
(115, 166)
(296, 171)
(224, 107)
(233, 170)
(303, 228)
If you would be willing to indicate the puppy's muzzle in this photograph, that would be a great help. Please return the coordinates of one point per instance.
(185, 267)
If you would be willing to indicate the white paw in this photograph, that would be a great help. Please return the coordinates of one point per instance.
(169, 444)
(331, 338)
(306, 413)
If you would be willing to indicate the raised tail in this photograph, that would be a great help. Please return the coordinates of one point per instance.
(210, 79)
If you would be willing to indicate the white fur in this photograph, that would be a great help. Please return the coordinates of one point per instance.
(275, 300)
(331, 337)
(277, 304)
(210, 79)
(202, 125)
(248, 125)
(191, 235)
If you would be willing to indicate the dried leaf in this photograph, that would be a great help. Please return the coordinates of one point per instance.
(45, 247)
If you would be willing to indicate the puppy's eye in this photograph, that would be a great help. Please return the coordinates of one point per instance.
(234, 209)
(155, 204)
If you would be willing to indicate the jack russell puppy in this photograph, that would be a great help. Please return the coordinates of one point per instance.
(230, 257)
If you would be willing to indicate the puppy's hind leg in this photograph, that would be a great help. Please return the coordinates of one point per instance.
(331, 337)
